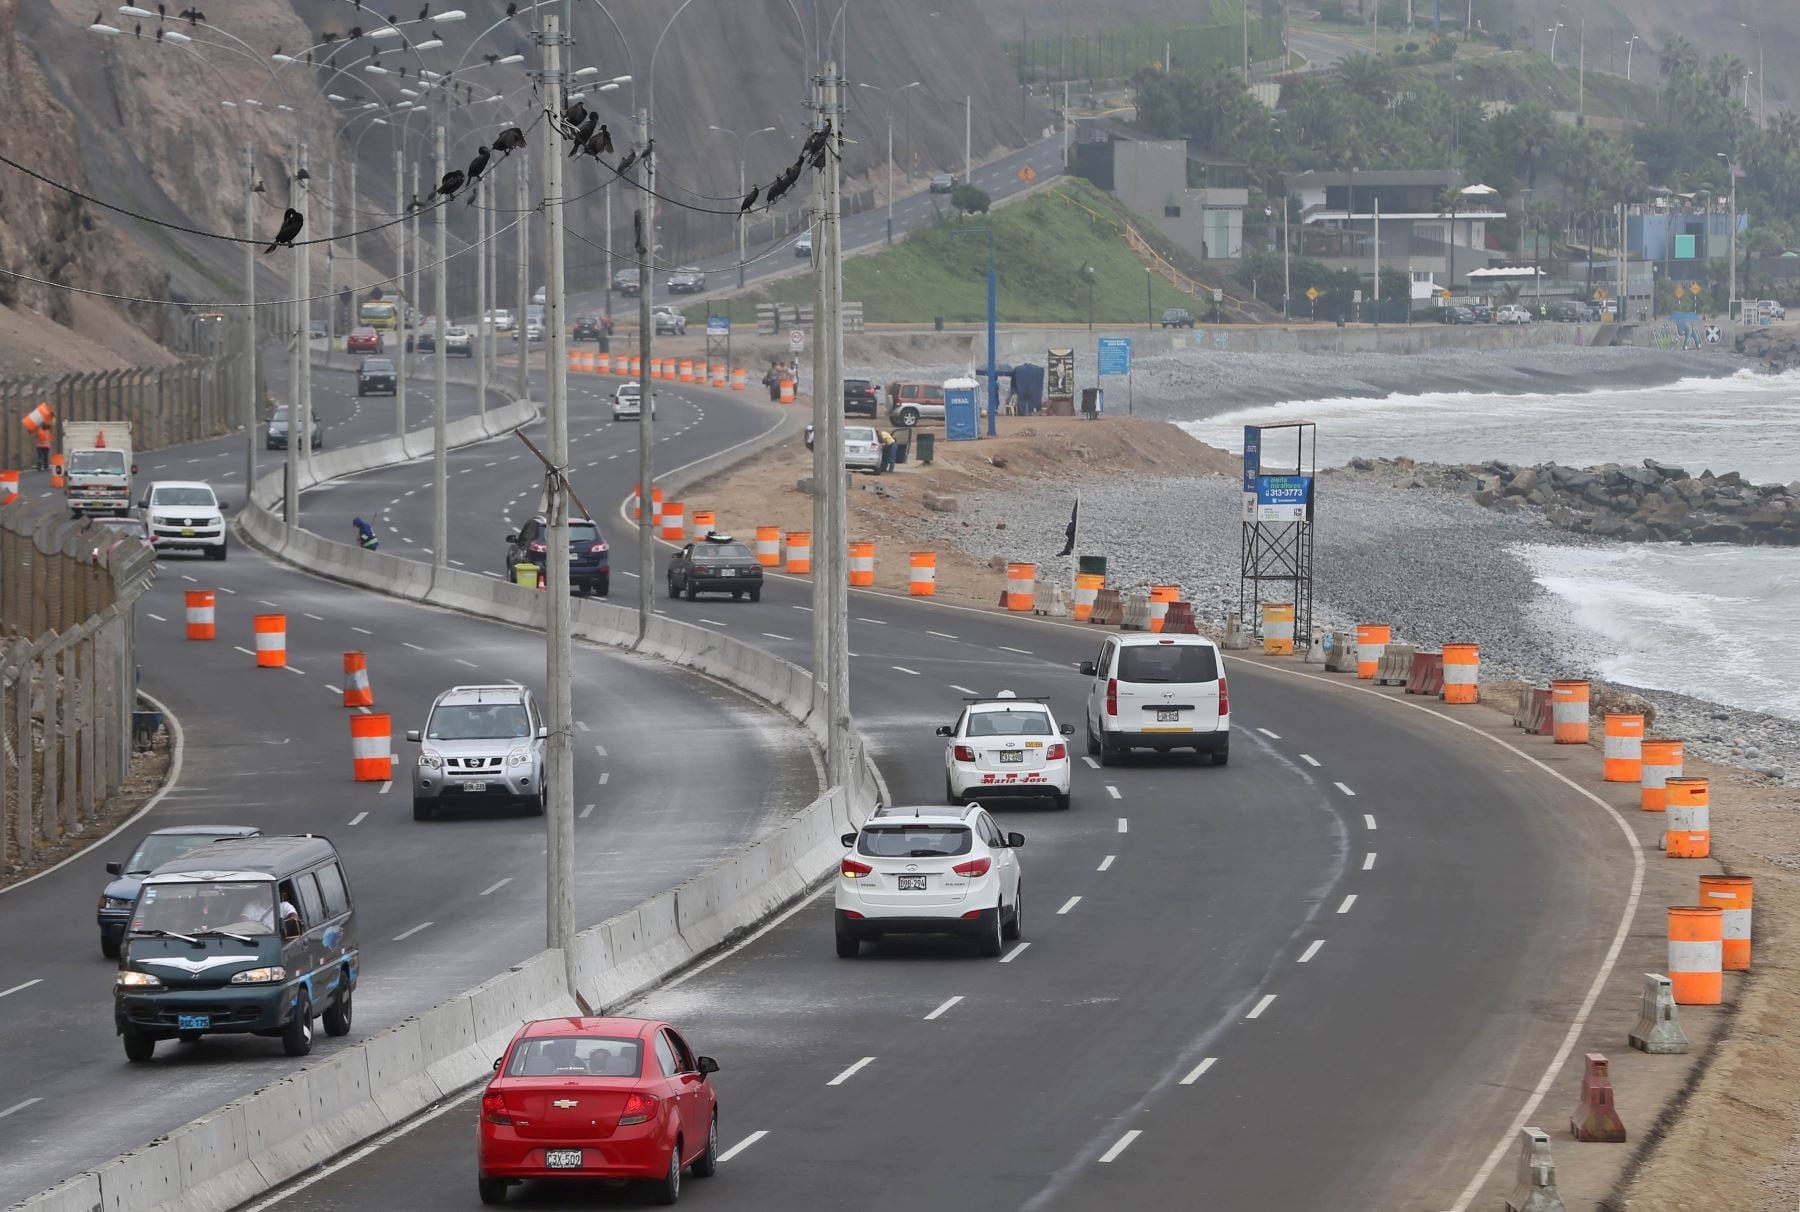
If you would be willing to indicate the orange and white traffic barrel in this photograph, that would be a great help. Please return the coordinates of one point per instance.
(1462, 673)
(371, 748)
(922, 575)
(56, 470)
(603, 363)
(1731, 894)
(674, 521)
(1160, 597)
(768, 546)
(862, 563)
(719, 374)
(574, 360)
(656, 496)
(38, 417)
(271, 641)
(1569, 712)
(637, 366)
(787, 391)
(1087, 588)
(1696, 954)
(702, 522)
(799, 551)
(1278, 628)
(1688, 829)
(200, 603)
(9, 487)
(668, 368)
(740, 379)
(1661, 762)
(1021, 583)
(357, 691)
(1623, 747)
(1371, 643)
(687, 370)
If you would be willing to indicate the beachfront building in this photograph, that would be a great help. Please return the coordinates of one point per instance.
(1338, 215)
(1150, 178)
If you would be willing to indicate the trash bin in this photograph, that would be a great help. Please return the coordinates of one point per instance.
(903, 443)
(927, 447)
(526, 575)
(937, 322)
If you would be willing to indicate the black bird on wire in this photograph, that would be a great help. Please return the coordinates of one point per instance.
(452, 182)
(625, 163)
(512, 10)
(816, 140)
(509, 140)
(291, 223)
(193, 15)
(749, 200)
(478, 165)
(584, 133)
(356, 31)
(779, 186)
(600, 142)
(491, 58)
(425, 13)
(572, 118)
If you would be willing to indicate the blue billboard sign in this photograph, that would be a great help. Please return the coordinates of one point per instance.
(1282, 498)
(718, 326)
(1115, 355)
(1252, 456)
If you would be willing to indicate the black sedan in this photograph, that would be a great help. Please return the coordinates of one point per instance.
(1456, 313)
(716, 564)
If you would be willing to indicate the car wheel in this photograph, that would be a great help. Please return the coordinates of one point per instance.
(849, 946)
(950, 796)
(423, 810)
(1108, 755)
(1014, 929)
(707, 1164)
(673, 592)
(909, 417)
(1221, 757)
(989, 940)
(536, 807)
(296, 1033)
(216, 553)
(1093, 743)
(756, 594)
(693, 592)
(737, 595)
(1064, 799)
(490, 1190)
(339, 1014)
(668, 1188)
(602, 584)
(138, 1047)
(109, 947)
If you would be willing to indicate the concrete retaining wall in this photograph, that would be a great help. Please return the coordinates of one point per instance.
(303, 1120)
(1014, 345)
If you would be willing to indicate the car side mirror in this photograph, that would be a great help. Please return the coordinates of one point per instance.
(412, 734)
(542, 733)
(223, 507)
(849, 840)
(512, 538)
(1015, 840)
(1068, 730)
(945, 730)
(144, 504)
(134, 469)
(290, 928)
(1088, 669)
(115, 868)
(708, 1065)
(497, 1061)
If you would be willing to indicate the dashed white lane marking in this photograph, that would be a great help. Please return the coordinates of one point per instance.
(1119, 1146)
(469, 664)
(808, 609)
(1106, 862)
(389, 784)
(1123, 827)
(20, 988)
(317, 618)
(600, 749)
(1068, 905)
(19, 1107)
(942, 635)
(1273, 736)
(495, 886)
(1092, 764)
(1309, 759)
(1198, 1071)
(904, 669)
(1348, 901)
(587, 812)
(295, 669)
(1368, 820)
(404, 935)
(1369, 860)
(186, 577)
(847, 1074)
(581, 724)
(358, 818)
(222, 589)
(1312, 950)
(713, 623)
(605, 777)
(411, 645)
(940, 1010)
(877, 622)
(963, 689)
(743, 1144)
(1113, 791)
(1020, 651)
(242, 649)
(1343, 789)
(1268, 999)
(362, 630)
(770, 635)
(1014, 954)
(157, 617)
(266, 602)
(334, 689)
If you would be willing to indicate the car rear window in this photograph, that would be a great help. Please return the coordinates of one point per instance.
(914, 841)
(1009, 723)
(723, 551)
(856, 385)
(1167, 663)
(576, 1056)
(858, 433)
(583, 532)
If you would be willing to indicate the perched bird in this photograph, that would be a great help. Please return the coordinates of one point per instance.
(259, 188)
(452, 182)
(138, 29)
(625, 163)
(509, 140)
(512, 10)
(159, 33)
(584, 133)
(491, 59)
(161, 12)
(779, 186)
(425, 13)
(328, 37)
(356, 31)
(415, 204)
(291, 223)
(478, 165)
(277, 50)
(194, 16)
(749, 199)
(816, 140)
(599, 143)
(574, 116)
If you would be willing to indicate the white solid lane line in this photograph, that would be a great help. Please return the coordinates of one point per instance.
(1310, 951)
(770, 635)
(19, 1107)
(1368, 820)
(495, 886)
(1343, 789)
(1105, 863)
(940, 1010)
(742, 1145)
(847, 1074)
(1014, 954)
(1195, 1073)
(358, 818)
(19, 988)
(1369, 860)
(1113, 791)
(1123, 1143)
(1309, 759)
(1069, 904)
(1268, 999)
(404, 935)
(904, 669)
(1348, 901)
(942, 635)
(1273, 736)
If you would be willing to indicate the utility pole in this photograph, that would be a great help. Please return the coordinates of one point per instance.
(1287, 282)
(1731, 291)
(1065, 124)
(742, 223)
(1581, 70)
(252, 404)
(644, 230)
(330, 268)
(828, 462)
(522, 388)
(968, 142)
(440, 468)
(404, 297)
(415, 294)
(300, 381)
(559, 822)
(482, 328)
(1377, 260)
(890, 175)
(829, 394)
(355, 264)
(607, 193)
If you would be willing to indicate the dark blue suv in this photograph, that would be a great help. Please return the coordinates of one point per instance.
(589, 571)
(152, 851)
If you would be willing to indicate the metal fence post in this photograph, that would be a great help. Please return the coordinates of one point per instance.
(91, 794)
(48, 690)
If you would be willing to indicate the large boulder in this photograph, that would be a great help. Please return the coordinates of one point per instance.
(1664, 471)
(1718, 532)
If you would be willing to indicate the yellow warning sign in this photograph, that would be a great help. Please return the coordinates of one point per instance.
(1027, 174)
(1599, 296)
(1312, 293)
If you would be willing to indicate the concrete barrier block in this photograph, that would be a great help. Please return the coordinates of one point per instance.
(1534, 1184)
(342, 1107)
(523, 992)
(1658, 1030)
(447, 1041)
(143, 1178)
(216, 1171)
(274, 1115)
(399, 1081)
(78, 1194)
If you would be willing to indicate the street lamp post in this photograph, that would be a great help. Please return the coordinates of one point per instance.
(993, 379)
(743, 187)
(1731, 170)
(1760, 78)
(889, 101)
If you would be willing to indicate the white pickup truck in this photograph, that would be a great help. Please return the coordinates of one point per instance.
(97, 467)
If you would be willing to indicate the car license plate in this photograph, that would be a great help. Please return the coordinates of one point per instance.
(1167, 715)
(193, 1022)
(187, 534)
(912, 883)
(562, 1159)
(474, 786)
(1012, 755)
(727, 572)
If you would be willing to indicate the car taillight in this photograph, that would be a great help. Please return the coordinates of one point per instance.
(1112, 696)
(1057, 753)
(637, 1109)
(1224, 698)
(973, 868)
(539, 548)
(854, 870)
(965, 753)
(597, 548)
(493, 1108)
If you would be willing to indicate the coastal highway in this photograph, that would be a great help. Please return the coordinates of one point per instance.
(673, 771)
(1321, 976)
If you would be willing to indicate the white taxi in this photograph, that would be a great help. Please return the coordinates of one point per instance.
(1006, 746)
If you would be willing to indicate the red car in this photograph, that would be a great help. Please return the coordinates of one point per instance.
(363, 340)
(605, 1098)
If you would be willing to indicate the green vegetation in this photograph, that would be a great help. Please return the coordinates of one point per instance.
(1041, 245)
(970, 199)
(1115, 51)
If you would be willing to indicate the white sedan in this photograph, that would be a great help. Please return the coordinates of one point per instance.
(1006, 746)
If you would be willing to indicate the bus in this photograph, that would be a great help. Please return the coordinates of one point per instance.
(379, 314)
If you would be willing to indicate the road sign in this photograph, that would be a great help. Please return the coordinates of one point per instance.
(1312, 294)
(1712, 334)
(1694, 289)
(718, 326)
(796, 340)
(1115, 355)
(1356, 296)
(1599, 296)
(1218, 295)
(1027, 174)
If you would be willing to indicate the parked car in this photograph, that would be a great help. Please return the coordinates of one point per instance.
(862, 448)
(910, 403)
(803, 246)
(277, 436)
(862, 397)
(1483, 313)
(1568, 311)
(625, 281)
(1456, 313)
(363, 340)
(589, 568)
(1512, 313)
(944, 183)
(668, 321)
(1177, 317)
(687, 280)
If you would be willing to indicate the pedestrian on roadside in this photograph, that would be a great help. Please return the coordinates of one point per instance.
(365, 535)
(890, 450)
(772, 380)
(43, 445)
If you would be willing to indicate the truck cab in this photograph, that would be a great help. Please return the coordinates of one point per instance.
(97, 467)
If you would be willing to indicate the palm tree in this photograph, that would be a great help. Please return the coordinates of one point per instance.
(1367, 77)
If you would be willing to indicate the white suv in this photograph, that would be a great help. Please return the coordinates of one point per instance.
(627, 405)
(1152, 691)
(1512, 313)
(184, 514)
(930, 871)
(1006, 746)
(480, 745)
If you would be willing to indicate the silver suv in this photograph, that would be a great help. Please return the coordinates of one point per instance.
(481, 745)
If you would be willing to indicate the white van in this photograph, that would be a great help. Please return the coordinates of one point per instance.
(1152, 691)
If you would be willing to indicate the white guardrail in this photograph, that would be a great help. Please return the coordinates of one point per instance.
(256, 1143)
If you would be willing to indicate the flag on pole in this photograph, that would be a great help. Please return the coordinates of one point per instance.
(1070, 530)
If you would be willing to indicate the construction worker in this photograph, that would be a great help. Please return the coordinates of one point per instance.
(365, 535)
(890, 450)
(43, 445)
